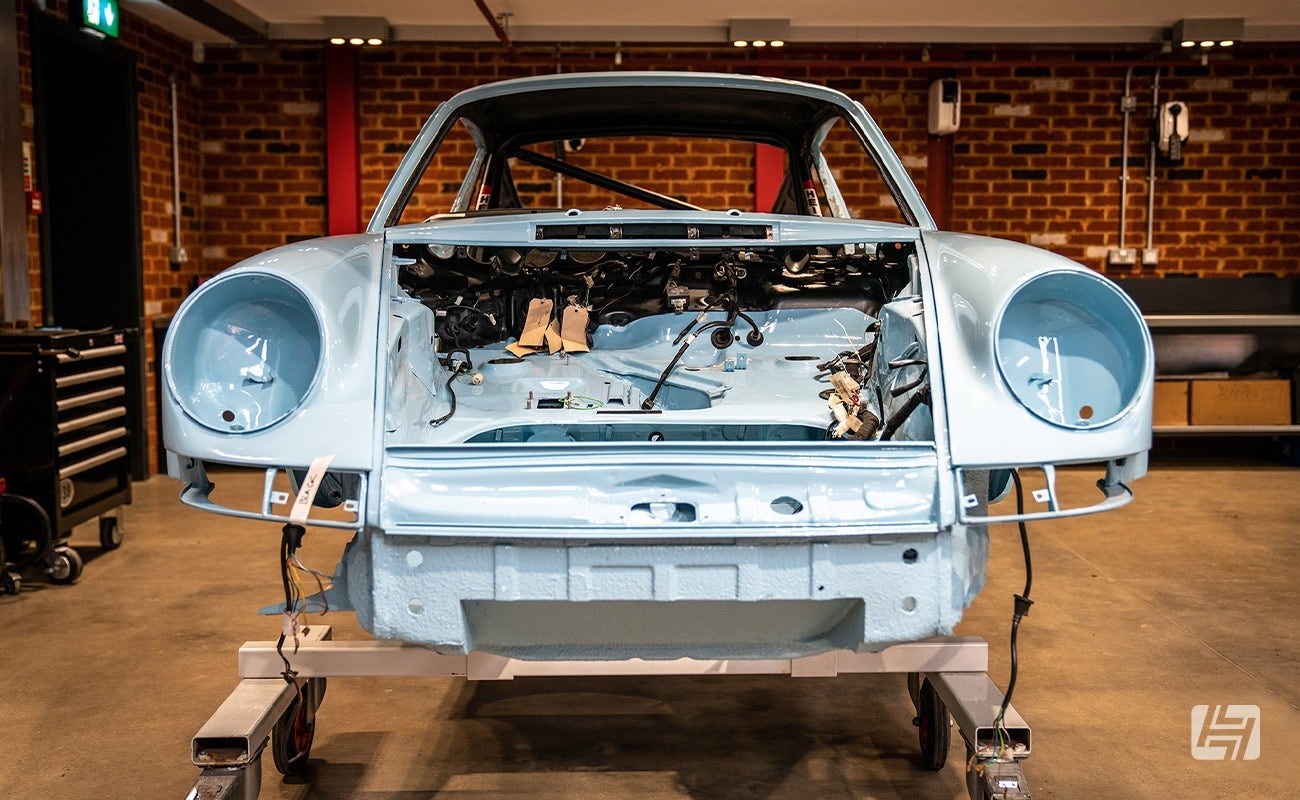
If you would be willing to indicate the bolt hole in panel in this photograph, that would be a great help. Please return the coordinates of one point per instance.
(1070, 348)
(664, 511)
(262, 347)
(787, 505)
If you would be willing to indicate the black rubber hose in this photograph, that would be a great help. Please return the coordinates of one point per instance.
(649, 402)
(451, 393)
(46, 534)
(895, 422)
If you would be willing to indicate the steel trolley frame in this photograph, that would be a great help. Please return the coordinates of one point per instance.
(946, 676)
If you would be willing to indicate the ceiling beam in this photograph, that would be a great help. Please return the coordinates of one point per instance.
(805, 34)
(226, 17)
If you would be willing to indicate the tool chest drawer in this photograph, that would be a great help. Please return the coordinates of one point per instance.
(64, 422)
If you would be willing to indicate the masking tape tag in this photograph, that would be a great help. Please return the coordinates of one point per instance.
(554, 342)
(519, 351)
(307, 491)
(573, 329)
(536, 323)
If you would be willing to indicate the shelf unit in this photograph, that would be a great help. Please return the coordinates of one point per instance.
(1203, 322)
(1269, 324)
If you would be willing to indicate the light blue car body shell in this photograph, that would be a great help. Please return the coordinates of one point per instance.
(544, 550)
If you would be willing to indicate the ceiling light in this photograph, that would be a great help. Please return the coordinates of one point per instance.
(1226, 43)
(777, 43)
(356, 30)
(758, 32)
(1207, 32)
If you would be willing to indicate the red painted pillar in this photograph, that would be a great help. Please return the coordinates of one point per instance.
(769, 171)
(938, 170)
(938, 180)
(342, 141)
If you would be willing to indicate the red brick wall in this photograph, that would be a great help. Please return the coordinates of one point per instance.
(263, 147)
(1035, 159)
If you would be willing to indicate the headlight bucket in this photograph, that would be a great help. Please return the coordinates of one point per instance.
(1071, 347)
(244, 353)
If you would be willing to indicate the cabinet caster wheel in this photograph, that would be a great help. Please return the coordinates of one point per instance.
(934, 731)
(110, 533)
(65, 566)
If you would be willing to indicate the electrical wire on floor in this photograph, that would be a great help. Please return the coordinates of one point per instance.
(457, 368)
(579, 402)
(1022, 603)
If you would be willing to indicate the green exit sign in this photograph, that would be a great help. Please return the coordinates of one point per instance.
(100, 15)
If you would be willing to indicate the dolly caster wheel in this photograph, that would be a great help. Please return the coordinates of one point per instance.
(291, 740)
(934, 731)
(65, 566)
(292, 736)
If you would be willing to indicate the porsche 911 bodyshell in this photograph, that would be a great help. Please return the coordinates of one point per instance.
(710, 517)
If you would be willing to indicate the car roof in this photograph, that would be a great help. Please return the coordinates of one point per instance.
(551, 107)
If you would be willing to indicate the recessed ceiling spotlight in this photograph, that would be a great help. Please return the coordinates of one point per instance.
(356, 31)
(758, 32)
(1207, 32)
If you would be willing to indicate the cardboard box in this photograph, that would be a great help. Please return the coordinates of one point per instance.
(1171, 403)
(1240, 402)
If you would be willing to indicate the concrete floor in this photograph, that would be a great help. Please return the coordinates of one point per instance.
(1187, 596)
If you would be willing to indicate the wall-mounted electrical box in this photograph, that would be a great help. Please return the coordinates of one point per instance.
(1172, 129)
(945, 107)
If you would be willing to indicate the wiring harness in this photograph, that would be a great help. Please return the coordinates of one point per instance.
(1021, 609)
